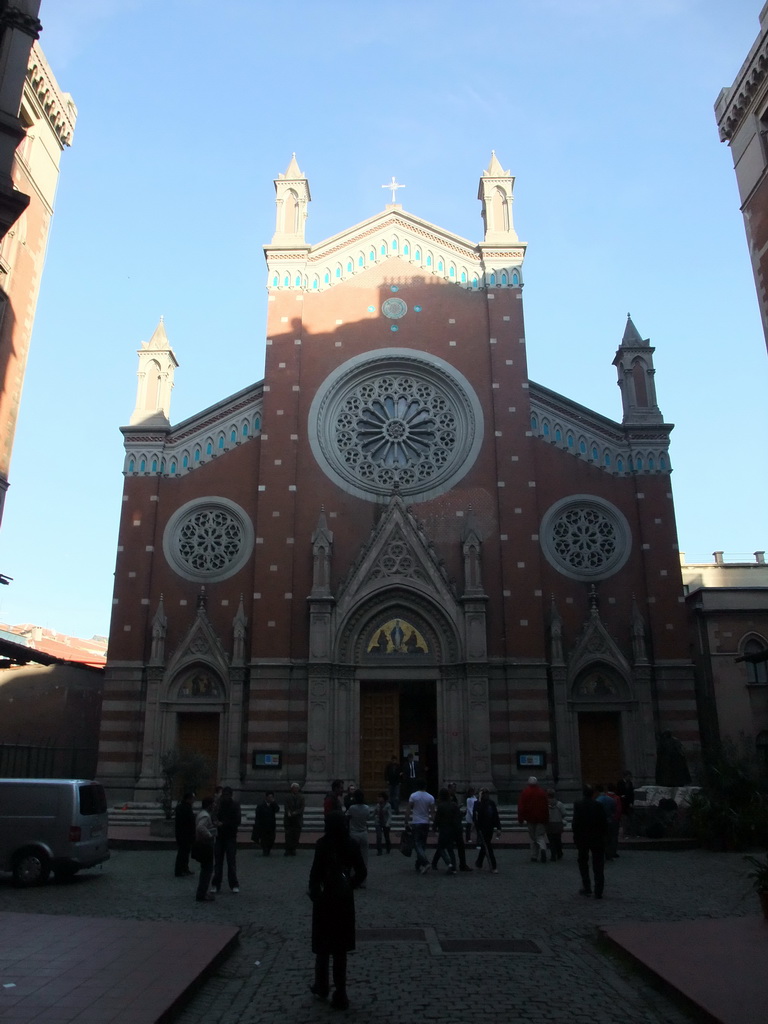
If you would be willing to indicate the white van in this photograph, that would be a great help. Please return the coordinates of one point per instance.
(46, 825)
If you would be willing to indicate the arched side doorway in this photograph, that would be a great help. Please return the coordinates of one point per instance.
(195, 717)
(602, 703)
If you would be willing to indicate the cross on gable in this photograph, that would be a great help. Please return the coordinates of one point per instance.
(393, 187)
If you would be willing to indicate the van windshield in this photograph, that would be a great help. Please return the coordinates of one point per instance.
(93, 799)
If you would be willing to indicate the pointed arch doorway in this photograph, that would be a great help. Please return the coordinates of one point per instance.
(397, 717)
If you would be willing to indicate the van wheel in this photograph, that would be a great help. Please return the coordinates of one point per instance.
(30, 867)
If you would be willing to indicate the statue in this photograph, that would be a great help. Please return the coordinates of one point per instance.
(671, 766)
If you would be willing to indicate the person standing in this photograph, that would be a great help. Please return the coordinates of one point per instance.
(337, 870)
(293, 819)
(626, 792)
(469, 817)
(184, 826)
(555, 826)
(393, 773)
(487, 822)
(202, 849)
(533, 811)
(421, 810)
(332, 801)
(358, 814)
(461, 848)
(349, 796)
(265, 823)
(409, 775)
(612, 807)
(383, 822)
(589, 828)
(226, 841)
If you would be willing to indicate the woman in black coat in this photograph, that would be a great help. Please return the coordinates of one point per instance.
(337, 870)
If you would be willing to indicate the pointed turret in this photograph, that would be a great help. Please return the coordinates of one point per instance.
(501, 263)
(292, 199)
(157, 365)
(634, 366)
(495, 192)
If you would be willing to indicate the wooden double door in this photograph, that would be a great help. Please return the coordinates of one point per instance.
(600, 747)
(198, 733)
(395, 716)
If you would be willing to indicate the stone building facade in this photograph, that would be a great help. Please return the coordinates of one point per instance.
(395, 540)
(741, 111)
(728, 605)
(47, 117)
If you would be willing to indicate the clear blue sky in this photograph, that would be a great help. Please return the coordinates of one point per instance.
(188, 110)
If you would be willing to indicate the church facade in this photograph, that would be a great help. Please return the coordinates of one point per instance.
(396, 541)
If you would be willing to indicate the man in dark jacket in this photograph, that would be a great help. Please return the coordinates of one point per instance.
(265, 824)
(590, 826)
(184, 820)
(228, 821)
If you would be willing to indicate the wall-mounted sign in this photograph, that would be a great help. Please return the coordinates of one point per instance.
(267, 759)
(527, 759)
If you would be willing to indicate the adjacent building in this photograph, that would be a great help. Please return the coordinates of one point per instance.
(47, 118)
(396, 541)
(728, 606)
(742, 118)
(19, 28)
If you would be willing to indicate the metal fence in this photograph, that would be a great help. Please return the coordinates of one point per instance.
(46, 761)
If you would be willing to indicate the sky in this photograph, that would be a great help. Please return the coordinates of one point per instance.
(603, 111)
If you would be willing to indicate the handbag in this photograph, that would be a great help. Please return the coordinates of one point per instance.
(406, 842)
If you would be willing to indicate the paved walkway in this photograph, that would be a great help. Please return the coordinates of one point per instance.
(521, 945)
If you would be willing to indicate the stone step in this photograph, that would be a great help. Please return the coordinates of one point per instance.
(142, 814)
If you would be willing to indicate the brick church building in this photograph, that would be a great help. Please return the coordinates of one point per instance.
(396, 541)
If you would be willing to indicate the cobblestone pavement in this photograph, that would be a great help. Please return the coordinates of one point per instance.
(571, 979)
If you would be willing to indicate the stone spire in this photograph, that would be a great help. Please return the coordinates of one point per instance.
(634, 366)
(159, 629)
(292, 199)
(322, 549)
(157, 365)
(239, 627)
(495, 192)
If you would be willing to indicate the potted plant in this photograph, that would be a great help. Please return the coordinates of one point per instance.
(759, 878)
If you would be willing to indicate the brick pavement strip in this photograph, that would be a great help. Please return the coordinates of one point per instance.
(572, 979)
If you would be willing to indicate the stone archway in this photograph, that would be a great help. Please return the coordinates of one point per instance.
(601, 698)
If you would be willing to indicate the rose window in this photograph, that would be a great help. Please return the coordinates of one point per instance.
(585, 537)
(415, 427)
(209, 539)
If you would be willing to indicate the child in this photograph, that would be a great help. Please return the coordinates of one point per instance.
(555, 826)
(468, 819)
(383, 821)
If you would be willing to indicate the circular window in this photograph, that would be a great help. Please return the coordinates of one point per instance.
(396, 419)
(585, 537)
(394, 308)
(208, 539)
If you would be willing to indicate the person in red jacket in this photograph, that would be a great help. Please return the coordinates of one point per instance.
(533, 811)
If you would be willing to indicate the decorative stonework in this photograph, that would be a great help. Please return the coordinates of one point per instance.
(596, 439)
(585, 537)
(196, 441)
(395, 420)
(734, 104)
(436, 253)
(208, 539)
